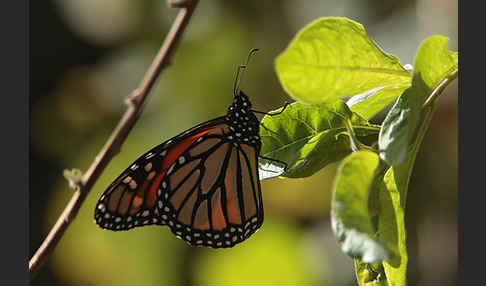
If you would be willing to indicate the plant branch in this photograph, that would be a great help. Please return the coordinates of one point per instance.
(113, 145)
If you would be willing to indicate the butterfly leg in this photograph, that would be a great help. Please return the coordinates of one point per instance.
(273, 114)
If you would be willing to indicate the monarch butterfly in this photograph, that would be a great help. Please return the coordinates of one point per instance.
(203, 183)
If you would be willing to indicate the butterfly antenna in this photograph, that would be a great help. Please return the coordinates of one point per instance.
(239, 71)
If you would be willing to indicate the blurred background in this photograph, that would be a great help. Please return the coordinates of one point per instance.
(87, 56)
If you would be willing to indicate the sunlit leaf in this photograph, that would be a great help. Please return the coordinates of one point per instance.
(398, 128)
(370, 103)
(333, 58)
(434, 63)
(350, 217)
(391, 222)
(307, 137)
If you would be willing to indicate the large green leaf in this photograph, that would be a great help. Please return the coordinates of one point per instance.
(309, 136)
(333, 58)
(350, 215)
(434, 67)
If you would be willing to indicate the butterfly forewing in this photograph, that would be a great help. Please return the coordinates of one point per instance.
(131, 199)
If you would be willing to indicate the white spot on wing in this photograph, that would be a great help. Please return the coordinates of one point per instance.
(170, 169)
(102, 207)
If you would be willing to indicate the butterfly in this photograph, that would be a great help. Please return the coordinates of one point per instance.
(203, 183)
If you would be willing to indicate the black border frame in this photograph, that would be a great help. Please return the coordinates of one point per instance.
(15, 131)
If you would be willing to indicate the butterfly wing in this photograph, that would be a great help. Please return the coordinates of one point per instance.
(212, 197)
(200, 184)
(130, 200)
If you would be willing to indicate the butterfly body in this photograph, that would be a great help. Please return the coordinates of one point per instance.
(203, 183)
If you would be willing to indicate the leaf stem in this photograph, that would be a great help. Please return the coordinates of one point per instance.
(113, 145)
(440, 87)
(356, 145)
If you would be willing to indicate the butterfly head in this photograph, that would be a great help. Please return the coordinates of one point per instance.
(243, 123)
(241, 103)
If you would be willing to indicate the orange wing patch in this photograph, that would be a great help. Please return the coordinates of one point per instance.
(201, 220)
(175, 152)
(231, 188)
(217, 216)
(155, 184)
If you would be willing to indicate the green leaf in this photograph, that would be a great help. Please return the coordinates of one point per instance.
(434, 67)
(434, 62)
(307, 137)
(333, 58)
(370, 103)
(350, 217)
(398, 128)
(391, 191)
(391, 221)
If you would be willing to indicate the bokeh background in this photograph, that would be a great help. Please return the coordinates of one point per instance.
(88, 55)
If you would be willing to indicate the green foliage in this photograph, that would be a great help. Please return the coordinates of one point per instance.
(350, 218)
(433, 64)
(310, 136)
(391, 224)
(333, 58)
(328, 61)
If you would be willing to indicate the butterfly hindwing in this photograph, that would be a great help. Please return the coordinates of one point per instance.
(211, 196)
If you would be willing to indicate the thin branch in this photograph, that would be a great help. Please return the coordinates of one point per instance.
(113, 145)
